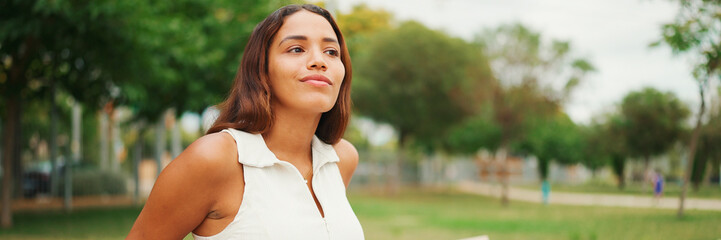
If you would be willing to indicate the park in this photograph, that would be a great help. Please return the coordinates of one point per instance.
(459, 136)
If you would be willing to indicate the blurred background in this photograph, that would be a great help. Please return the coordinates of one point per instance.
(511, 119)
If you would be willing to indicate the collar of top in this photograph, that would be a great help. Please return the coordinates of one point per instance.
(252, 150)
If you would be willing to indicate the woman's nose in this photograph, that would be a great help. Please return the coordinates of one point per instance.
(317, 62)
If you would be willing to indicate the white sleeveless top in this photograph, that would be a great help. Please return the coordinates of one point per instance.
(277, 203)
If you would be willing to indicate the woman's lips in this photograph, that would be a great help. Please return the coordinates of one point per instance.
(317, 80)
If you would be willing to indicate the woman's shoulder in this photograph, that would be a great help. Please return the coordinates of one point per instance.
(346, 151)
(190, 187)
(211, 153)
(348, 156)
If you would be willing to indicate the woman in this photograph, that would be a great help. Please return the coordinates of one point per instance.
(273, 165)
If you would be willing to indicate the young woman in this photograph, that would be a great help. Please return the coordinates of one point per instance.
(273, 165)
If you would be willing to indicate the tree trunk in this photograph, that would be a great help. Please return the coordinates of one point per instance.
(103, 132)
(698, 173)
(708, 171)
(619, 167)
(159, 143)
(137, 157)
(9, 136)
(114, 137)
(691, 152)
(647, 178)
(176, 144)
(75, 149)
(543, 165)
(17, 154)
(15, 82)
(503, 156)
(54, 176)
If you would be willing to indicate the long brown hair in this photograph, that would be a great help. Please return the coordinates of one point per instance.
(247, 107)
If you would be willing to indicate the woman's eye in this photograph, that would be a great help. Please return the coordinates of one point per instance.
(332, 52)
(295, 50)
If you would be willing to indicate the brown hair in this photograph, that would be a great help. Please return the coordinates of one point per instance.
(247, 107)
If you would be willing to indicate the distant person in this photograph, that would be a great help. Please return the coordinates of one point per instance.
(273, 165)
(546, 191)
(658, 185)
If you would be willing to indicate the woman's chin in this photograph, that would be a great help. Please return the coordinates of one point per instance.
(314, 106)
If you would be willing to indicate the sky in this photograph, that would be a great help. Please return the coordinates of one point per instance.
(613, 34)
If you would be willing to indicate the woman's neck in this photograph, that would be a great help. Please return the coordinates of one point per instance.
(291, 134)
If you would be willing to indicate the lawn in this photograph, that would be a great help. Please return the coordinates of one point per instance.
(448, 215)
(414, 214)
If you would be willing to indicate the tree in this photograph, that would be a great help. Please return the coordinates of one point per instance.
(150, 56)
(557, 138)
(605, 143)
(535, 78)
(476, 132)
(189, 54)
(420, 81)
(55, 45)
(695, 31)
(708, 148)
(653, 122)
(593, 156)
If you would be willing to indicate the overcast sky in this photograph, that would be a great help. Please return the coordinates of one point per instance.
(613, 34)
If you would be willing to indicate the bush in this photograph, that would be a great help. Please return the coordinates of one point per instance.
(98, 182)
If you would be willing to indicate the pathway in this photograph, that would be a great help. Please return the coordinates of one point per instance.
(586, 199)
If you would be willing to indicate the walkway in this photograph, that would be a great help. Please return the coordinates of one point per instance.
(585, 199)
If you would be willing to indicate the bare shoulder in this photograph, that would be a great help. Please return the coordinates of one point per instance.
(212, 153)
(187, 189)
(346, 151)
(214, 148)
(348, 156)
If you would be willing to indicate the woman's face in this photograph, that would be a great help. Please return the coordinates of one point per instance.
(304, 66)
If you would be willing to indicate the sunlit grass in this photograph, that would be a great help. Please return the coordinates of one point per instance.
(416, 214)
(448, 215)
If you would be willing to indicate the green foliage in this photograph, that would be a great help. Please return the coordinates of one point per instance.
(696, 31)
(420, 81)
(520, 56)
(593, 153)
(148, 55)
(557, 138)
(615, 144)
(653, 121)
(360, 25)
(527, 67)
(190, 52)
(63, 43)
(475, 133)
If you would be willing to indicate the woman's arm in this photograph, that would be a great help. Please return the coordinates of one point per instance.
(187, 189)
(348, 159)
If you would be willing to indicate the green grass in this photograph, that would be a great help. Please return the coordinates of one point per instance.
(101, 223)
(414, 214)
(448, 215)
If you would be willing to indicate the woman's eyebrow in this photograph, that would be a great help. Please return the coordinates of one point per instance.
(301, 37)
